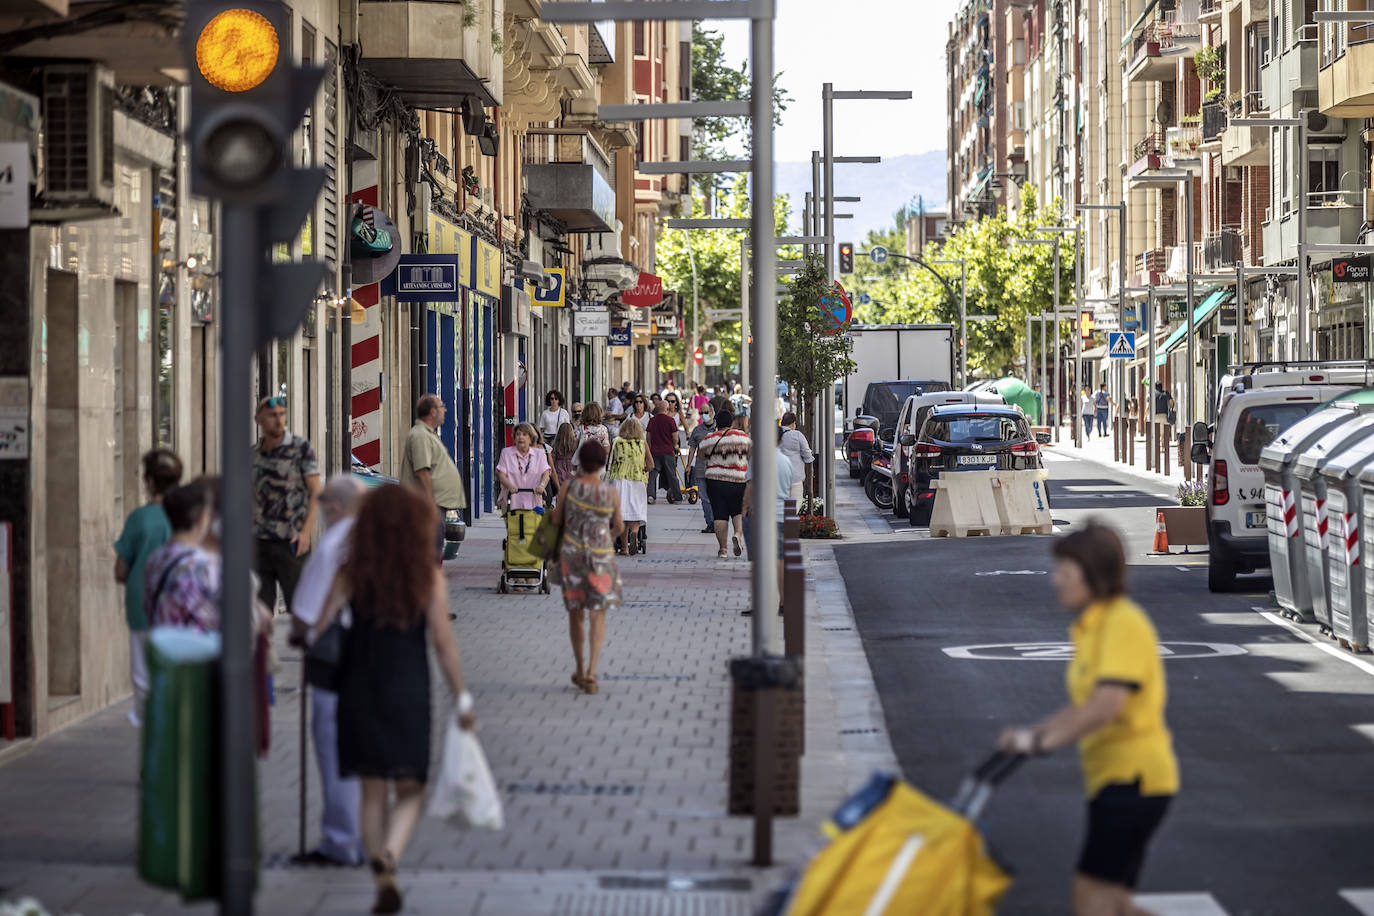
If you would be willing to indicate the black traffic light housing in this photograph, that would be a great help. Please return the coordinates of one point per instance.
(846, 257)
(247, 99)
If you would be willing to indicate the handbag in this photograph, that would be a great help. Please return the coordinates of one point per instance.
(547, 540)
(324, 658)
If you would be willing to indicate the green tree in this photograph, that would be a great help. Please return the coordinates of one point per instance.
(1004, 279)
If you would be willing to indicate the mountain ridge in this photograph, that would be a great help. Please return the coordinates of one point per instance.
(884, 187)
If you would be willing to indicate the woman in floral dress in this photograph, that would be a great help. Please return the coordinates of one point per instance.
(589, 511)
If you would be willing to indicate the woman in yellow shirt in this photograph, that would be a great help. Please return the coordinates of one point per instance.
(1116, 714)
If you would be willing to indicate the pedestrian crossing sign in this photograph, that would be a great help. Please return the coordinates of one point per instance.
(1121, 345)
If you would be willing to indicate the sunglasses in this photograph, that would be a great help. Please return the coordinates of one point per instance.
(278, 401)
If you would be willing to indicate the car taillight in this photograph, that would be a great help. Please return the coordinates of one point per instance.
(1025, 448)
(1221, 484)
(925, 448)
(904, 477)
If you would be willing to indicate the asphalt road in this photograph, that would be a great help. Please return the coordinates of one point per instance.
(1274, 735)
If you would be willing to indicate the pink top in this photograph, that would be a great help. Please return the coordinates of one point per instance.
(699, 401)
(523, 472)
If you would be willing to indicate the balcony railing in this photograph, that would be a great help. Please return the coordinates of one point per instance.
(1214, 121)
(1152, 261)
(1222, 250)
(1209, 6)
(566, 147)
(1151, 145)
(1184, 141)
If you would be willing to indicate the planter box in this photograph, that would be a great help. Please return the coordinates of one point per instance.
(1185, 526)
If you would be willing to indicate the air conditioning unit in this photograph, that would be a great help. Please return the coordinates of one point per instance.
(1234, 173)
(78, 164)
(1320, 125)
(1369, 205)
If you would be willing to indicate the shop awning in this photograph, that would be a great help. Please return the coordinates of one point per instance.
(1130, 33)
(1201, 312)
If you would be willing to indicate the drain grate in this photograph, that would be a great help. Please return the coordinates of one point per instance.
(861, 731)
(672, 883)
(651, 903)
(836, 629)
(572, 788)
(646, 677)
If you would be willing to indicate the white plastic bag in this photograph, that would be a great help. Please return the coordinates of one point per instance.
(465, 792)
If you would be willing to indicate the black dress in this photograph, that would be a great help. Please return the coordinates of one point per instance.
(384, 701)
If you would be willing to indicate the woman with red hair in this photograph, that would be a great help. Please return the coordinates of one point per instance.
(395, 594)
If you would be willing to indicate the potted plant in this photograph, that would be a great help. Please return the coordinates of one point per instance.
(1185, 525)
(819, 526)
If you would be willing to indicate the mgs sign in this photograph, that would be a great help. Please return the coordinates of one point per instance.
(1350, 270)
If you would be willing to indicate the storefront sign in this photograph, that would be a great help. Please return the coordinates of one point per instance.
(552, 298)
(647, 292)
(592, 323)
(486, 268)
(515, 311)
(14, 185)
(1350, 270)
(446, 238)
(620, 337)
(1178, 311)
(1227, 316)
(14, 417)
(424, 278)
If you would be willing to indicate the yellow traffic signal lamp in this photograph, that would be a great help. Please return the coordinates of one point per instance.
(237, 50)
(846, 258)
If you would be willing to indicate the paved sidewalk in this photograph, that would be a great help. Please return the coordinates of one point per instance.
(1099, 449)
(614, 802)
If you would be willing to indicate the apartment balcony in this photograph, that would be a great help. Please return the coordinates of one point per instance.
(1346, 87)
(1158, 45)
(1222, 250)
(1332, 218)
(142, 52)
(569, 177)
(1209, 12)
(1148, 154)
(1241, 146)
(1184, 145)
(1213, 122)
(1293, 71)
(1150, 267)
(422, 49)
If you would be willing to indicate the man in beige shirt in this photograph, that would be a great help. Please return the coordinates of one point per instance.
(427, 465)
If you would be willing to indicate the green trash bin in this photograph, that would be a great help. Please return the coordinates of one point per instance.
(179, 819)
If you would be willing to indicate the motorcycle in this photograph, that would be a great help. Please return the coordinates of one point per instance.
(878, 481)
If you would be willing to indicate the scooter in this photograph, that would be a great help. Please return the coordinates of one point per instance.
(878, 481)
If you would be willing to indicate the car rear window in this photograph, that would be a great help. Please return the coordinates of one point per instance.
(884, 400)
(1259, 425)
(976, 428)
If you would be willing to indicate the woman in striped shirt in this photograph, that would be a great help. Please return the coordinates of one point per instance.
(726, 452)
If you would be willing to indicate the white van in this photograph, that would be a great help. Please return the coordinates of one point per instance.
(914, 413)
(1253, 410)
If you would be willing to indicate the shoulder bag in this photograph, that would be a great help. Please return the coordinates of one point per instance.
(324, 658)
(548, 538)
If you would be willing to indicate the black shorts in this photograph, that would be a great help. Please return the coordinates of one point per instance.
(727, 499)
(1121, 822)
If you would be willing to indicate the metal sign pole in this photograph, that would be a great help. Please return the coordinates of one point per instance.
(1058, 384)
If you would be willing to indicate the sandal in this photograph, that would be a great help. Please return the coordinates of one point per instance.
(578, 681)
(721, 555)
(389, 898)
(738, 549)
(589, 685)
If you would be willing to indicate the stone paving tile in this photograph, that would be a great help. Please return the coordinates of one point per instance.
(631, 780)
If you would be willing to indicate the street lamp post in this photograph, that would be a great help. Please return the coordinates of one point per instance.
(963, 314)
(1057, 394)
(1120, 284)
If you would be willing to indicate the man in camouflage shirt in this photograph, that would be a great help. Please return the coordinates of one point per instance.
(286, 483)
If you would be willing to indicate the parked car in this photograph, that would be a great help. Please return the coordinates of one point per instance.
(884, 400)
(965, 437)
(367, 475)
(455, 529)
(913, 416)
(1253, 410)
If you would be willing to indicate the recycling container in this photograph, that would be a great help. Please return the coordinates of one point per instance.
(179, 822)
(1313, 509)
(1278, 461)
(1344, 508)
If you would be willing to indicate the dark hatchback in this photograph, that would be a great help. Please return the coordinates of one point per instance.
(966, 437)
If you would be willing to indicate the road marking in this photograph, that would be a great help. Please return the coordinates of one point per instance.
(1012, 572)
(1361, 898)
(1366, 730)
(1062, 651)
(1346, 657)
(1180, 904)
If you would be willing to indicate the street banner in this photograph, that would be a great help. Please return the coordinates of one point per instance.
(646, 293)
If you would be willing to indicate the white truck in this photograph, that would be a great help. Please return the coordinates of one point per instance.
(896, 353)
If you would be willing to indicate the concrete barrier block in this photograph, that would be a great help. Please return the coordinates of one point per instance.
(965, 505)
(1021, 504)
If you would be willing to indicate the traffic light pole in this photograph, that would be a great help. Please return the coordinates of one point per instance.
(238, 803)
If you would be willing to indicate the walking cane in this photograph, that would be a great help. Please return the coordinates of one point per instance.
(305, 688)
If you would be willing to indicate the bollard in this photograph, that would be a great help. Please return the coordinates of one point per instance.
(766, 725)
(793, 585)
(1131, 440)
(1150, 433)
(1164, 442)
(1183, 461)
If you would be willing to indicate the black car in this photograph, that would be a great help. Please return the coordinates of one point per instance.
(884, 400)
(966, 437)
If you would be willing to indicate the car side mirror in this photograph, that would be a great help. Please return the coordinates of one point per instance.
(909, 440)
(888, 434)
(1042, 438)
(1200, 454)
(1200, 432)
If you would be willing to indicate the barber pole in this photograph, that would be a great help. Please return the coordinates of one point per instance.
(1350, 530)
(366, 357)
(1290, 514)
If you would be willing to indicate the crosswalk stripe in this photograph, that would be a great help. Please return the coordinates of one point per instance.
(1361, 898)
(1180, 904)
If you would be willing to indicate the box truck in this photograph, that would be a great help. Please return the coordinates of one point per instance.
(892, 361)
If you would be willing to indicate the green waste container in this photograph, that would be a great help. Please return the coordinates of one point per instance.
(179, 799)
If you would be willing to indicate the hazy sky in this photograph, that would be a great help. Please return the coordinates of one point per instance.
(858, 44)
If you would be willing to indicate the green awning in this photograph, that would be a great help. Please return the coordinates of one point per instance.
(1130, 33)
(1201, 312)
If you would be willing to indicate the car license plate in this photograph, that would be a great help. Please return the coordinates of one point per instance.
(977, 460)
(1255, 519)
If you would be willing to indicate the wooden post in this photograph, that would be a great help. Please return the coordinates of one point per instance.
(1131, 448)
(1164, 443)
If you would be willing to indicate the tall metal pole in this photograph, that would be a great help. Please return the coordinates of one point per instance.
(1122, 395)
(238, 806)
(1078, 336)
(1058, 394)
(1188, 266)
(1239, 356)
(827, 445)
(1044, 374)
(963, 323)
(1304, 349)
(1029, 373)
(1151, 446)
(744, 311)
(345, 370)
(765, 324)
(698, 370)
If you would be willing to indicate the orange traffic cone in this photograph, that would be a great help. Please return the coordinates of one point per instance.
(1161, 537)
